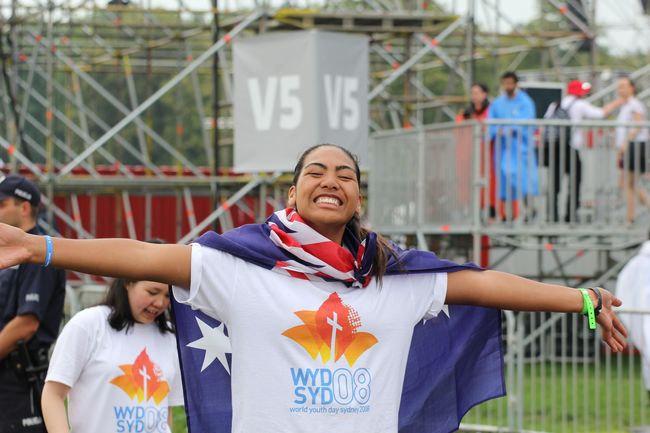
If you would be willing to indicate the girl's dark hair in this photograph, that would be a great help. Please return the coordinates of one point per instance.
(117, 299)
(471, 109)
(482, 86)
(384, 247)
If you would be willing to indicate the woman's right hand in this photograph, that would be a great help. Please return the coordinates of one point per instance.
(612, 330)
(16, 246)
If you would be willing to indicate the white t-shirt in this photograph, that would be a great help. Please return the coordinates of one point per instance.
(109, 372)
(281, 332)
(578, 110)
(626, 114)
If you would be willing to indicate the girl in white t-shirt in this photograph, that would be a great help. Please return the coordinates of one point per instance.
(117, 364)
(326, 196)
(632, 146)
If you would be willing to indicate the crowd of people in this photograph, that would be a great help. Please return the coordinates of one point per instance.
(513, 150)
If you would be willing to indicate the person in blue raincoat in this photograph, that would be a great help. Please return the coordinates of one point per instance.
(515, 157)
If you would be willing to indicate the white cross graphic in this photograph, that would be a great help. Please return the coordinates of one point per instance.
(145, 377)
(333, 322)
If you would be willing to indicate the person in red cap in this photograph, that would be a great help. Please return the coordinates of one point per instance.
(562, 151)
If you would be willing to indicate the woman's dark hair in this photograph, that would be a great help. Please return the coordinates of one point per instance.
(384, 248)
(471, 109)
(117, 299)
(482, 86)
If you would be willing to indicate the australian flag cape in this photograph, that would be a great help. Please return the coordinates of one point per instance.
(455, 360)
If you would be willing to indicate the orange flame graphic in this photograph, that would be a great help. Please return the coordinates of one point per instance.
(333, 326)
(143, 379)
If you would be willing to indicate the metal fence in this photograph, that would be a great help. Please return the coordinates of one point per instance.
(560, 378)
(505, 174)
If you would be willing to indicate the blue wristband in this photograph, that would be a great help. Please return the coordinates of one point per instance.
(48, 251)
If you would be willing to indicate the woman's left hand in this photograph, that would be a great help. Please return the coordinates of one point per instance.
(613, 331)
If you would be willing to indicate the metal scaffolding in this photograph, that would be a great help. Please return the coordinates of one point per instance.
(82, 83)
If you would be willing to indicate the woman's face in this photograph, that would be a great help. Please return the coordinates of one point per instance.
(147, 300)
(625, 89)
(326, 194)
(477, 95)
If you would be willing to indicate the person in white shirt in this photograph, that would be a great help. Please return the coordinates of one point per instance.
(631, 144)
(565, 159)
(633, 288)
(117, 364)
(326, 196)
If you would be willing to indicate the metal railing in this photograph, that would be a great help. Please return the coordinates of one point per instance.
(561, 378)
(412, 179)
(501, 175)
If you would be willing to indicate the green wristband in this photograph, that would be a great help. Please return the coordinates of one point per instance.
(588, 309)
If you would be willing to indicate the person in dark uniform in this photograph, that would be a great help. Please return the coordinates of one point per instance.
(31, 309)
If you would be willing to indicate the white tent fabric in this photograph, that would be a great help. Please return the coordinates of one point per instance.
(633, 288)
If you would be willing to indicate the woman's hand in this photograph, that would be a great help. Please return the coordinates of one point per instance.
(613, 331)
(16, 246)
(618, 102)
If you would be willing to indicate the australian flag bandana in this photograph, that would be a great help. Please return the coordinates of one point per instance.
(439, 388)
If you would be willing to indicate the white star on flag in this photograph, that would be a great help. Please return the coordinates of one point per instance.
(215, 344)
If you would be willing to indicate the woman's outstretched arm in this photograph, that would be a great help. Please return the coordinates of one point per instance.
(124, 258)
(511, 292)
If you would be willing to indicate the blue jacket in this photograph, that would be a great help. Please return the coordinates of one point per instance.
(515, 155)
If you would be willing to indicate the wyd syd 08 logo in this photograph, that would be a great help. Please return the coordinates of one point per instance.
(332, 332)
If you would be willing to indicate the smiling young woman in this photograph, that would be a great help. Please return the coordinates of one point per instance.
(316, 260)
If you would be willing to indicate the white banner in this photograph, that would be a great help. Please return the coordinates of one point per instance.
(295, 90)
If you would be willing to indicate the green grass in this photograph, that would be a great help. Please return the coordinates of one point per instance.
(582, 398)
(180, 425)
